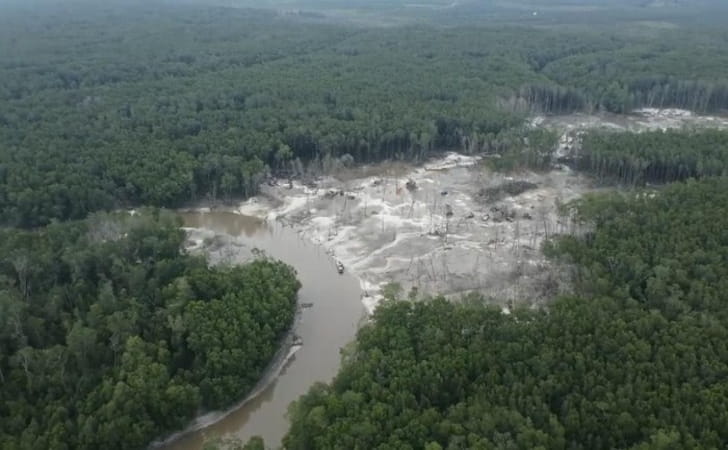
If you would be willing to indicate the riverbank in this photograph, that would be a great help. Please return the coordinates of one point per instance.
(283, 356)
(450, 226)
(329, 315)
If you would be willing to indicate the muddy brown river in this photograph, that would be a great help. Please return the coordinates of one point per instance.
(325, 327)
(443, 236)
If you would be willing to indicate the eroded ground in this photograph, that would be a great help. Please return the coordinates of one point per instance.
(451, 226)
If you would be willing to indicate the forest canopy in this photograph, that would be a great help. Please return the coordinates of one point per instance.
(634, 159)
(639, 361)
(104, 106)
(111, 335)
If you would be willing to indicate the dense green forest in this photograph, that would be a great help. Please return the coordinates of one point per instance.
(639, 361)
(103, 105)
(572, 13)
(654, 157)
(110, 335)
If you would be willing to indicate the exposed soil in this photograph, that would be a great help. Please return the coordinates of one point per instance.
(432, 228)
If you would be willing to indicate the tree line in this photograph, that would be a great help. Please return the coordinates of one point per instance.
(111, 335)
(634, 159)
(637, 359)
(178, 104)
(677, 70)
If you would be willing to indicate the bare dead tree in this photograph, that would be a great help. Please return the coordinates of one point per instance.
(543, 219)
(533, 236)
(516, 235)
(446, 274)
(432, 267)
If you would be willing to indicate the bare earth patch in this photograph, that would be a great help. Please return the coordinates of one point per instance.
(432, 228)
(451, 225)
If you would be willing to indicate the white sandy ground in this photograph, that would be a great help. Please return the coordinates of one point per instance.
(382, 231)
(572, 126)
(640, 120)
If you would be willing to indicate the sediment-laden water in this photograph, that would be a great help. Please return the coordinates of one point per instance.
(330, 314)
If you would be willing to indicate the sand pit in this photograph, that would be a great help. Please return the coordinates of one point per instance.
(438, 227)
(432, 229)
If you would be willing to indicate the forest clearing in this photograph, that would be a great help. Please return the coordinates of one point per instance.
(447, 235)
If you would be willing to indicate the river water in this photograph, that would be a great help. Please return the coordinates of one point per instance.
(442, 237)
(327, 326)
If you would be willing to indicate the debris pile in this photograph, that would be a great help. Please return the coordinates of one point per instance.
(509, 188)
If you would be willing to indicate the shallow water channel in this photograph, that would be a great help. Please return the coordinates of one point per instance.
(325, 327)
